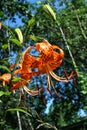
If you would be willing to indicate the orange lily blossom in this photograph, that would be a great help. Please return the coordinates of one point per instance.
(22, 84)
(26, 74)
(5, 78)
(26, 77)
(50, 58)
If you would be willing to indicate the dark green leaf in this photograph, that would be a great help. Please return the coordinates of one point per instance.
(5, 68)
(1, 13)
(18, 109)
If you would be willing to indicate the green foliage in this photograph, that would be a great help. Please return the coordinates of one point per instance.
(4, 93)
(49, 11)
(18, 109)
(4, 68)
(20, 36)
(65, 27)
(15, 41)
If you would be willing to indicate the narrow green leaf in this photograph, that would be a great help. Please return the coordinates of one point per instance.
(1, 93)
(84, 92)
(38, 2)
(16, 79)
(5, 68)
(49, 11)
(0, 101)
(33, 37)
(85, 107)
(1, 13)
(5, 46)
(15, 41)
(7, 93)
(20, 36)
(2, 123)
(4, 93)
(31, 22)
(18, 109)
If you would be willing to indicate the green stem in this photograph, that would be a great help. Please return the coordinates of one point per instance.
(64, 38)
(80, 25)
(19, 120)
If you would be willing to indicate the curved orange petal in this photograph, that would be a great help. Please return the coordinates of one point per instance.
(50, 59)
(27, 59)
(44, 47)
(5, 78)
(18, 84)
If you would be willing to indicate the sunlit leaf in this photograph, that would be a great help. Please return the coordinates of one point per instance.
(31, 22)
(2, 123)
(1, 93)
(7, 93)
(49, 11)
(18, 109)
(5, 46)
(33, 37)
(38, 2)
(84, 92)
(0, 101)
(4, 93)
(15, 41)
(19, 33)
(16, 79)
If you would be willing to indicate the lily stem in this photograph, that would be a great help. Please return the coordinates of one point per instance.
(19, 120)
(64, 38)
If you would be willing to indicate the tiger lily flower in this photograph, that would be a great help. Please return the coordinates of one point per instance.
(5, 78)
(51, 58)
(22, 84)
(26, 77)
(27, 59)
(26, 74)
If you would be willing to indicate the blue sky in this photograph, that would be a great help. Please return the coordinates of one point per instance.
(32, 1)
(18, 20)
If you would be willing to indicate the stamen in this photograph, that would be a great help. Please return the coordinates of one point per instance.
(49, 91)
(50, 83)
(56, 77)
(62, 79)
(55, 89)
(66, 74)
(32, 92)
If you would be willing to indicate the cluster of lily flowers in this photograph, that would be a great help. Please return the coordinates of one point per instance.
(50, 57)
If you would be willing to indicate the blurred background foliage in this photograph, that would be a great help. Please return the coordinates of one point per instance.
(69, 31)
